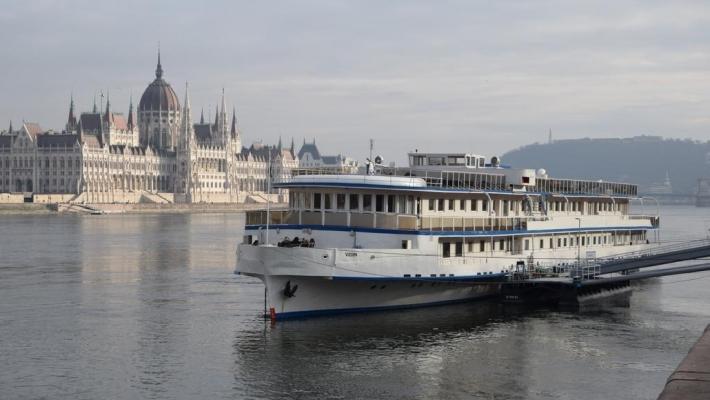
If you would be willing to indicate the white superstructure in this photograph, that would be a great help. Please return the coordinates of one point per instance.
(445, 229)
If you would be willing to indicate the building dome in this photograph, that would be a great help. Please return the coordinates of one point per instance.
(159, 95)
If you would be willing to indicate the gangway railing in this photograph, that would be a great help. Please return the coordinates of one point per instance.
(657, 250)
(629, 261)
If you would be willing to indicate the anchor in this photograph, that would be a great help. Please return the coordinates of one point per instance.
(290, 291)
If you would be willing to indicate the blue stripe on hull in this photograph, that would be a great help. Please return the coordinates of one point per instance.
(339, 311)
(499, 277)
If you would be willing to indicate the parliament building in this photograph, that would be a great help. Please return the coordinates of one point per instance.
(157, 154)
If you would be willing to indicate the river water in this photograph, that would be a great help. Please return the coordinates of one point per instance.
(147, 306)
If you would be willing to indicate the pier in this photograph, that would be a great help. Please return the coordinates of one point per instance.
(603, 276)
(691, 380)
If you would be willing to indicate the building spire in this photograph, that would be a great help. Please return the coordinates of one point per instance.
(71, 120)
(233, 131)
(10, 129)
(202, 116)
(186, 129)
(292, 147)
(159, 68)
(107, 115)
(223, 120)
(95, 109)
(187, 98)
(130, 114)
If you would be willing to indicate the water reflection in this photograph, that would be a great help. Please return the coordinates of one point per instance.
(406, 354)
(163, 293)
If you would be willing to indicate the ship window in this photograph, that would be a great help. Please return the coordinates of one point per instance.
(501, 244)
(340, 201)
(474, 204)
(452, 160)
(436, 161)
(379, 203)
(328, 204)
(440, 205)
(484, 206)
(583, 241)
(391, 204)
(446, 249)
(542, 244)
(559, 242)
(462, 205)
(406, 244)
(367, 202)
(451, 204)
(482, 246)
(402, 204)
(459, 249)
(527, 244)
(551, 242)
(354, 203)
(410, 205)
(565, 242)
(432, 203)
(470, 247)
(316, 201)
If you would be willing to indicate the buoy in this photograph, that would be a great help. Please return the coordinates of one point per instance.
(272, 313)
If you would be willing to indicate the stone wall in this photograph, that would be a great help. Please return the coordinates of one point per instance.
(52, 198)
(11, 198)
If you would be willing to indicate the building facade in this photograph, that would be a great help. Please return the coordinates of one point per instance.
(310, 157)
(162, 156)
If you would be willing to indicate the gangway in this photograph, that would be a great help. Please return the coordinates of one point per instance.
(594, 277)
(692, 250)
(647, 274)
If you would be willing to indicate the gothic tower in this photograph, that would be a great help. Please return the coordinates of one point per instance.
(186, 153)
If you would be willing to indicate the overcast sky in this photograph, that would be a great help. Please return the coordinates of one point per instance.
(484, 77)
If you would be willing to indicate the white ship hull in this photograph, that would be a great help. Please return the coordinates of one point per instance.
(316, 290)
(321, 296)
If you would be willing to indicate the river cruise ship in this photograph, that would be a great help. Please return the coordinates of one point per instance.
(448, 228)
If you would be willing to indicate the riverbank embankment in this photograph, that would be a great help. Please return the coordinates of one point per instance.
(691, 380)
(26, 208)
(139, 208)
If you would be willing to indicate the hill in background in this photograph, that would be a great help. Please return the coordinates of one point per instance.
(643, 160)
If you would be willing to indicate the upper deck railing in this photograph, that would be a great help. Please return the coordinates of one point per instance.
(487, 181)
(402, 221)
(584, 187)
